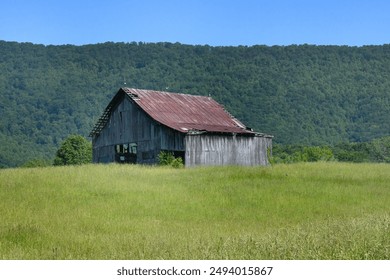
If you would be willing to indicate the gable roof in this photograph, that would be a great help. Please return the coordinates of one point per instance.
(182, 112)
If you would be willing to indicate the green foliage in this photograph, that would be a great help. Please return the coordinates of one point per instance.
(165, 158)
(303, 95)
(352, 152)
(379, 150)
(299, 153)
(74, 150)
(316, 153)
(177, 163)
(36, 163)
(323, 210)
(168, 159)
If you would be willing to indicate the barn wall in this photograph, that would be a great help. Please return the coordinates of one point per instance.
(130, 124)
(207, 149)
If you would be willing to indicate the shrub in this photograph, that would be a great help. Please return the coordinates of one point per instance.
(316, 153)
(177, 163)
(74, 150)
(168, 159)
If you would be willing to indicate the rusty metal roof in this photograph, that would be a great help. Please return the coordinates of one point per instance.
(182, 112)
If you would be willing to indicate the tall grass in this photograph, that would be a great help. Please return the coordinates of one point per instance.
(299, 211)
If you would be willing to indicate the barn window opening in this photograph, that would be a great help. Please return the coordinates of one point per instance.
(126, 153)
(133, 148)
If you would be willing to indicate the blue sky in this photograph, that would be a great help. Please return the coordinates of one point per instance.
(211, 22)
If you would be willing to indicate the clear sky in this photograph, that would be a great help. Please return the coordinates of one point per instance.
(197, 22)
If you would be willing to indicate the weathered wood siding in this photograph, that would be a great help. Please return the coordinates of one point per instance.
(207, 149)
(130, 124)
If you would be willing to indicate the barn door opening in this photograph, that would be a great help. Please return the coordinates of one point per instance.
(179, 154)
(126, 153)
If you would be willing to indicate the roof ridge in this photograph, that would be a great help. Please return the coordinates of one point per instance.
(128, 89)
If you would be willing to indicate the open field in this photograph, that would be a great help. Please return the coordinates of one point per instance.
(297, 211)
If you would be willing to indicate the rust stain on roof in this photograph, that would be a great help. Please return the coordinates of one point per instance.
(184, 112)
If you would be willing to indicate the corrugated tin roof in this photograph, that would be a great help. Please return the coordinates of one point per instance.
(182, 112)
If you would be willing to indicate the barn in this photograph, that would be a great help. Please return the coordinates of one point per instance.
(138, 124)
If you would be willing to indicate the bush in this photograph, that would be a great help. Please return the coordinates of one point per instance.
(168, 159)
(74, 150)
(177, 163)
(316, 153)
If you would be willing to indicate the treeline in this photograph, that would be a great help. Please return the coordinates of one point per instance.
(377, 150)
(77, 150)
(303, 95)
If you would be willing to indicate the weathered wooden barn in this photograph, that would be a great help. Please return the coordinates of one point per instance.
(138, 124)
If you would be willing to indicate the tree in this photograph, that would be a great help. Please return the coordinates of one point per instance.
(74, 150)
(303, 95)
(380, 149)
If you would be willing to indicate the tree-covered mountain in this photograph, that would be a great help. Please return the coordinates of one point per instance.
(300, 94)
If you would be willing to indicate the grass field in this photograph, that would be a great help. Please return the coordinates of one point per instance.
(297, 211)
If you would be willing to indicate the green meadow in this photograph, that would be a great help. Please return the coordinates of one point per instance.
(296, 211)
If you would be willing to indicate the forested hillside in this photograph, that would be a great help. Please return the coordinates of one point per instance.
(300, 94)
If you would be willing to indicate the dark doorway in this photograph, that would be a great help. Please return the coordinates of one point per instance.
(179, 154)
